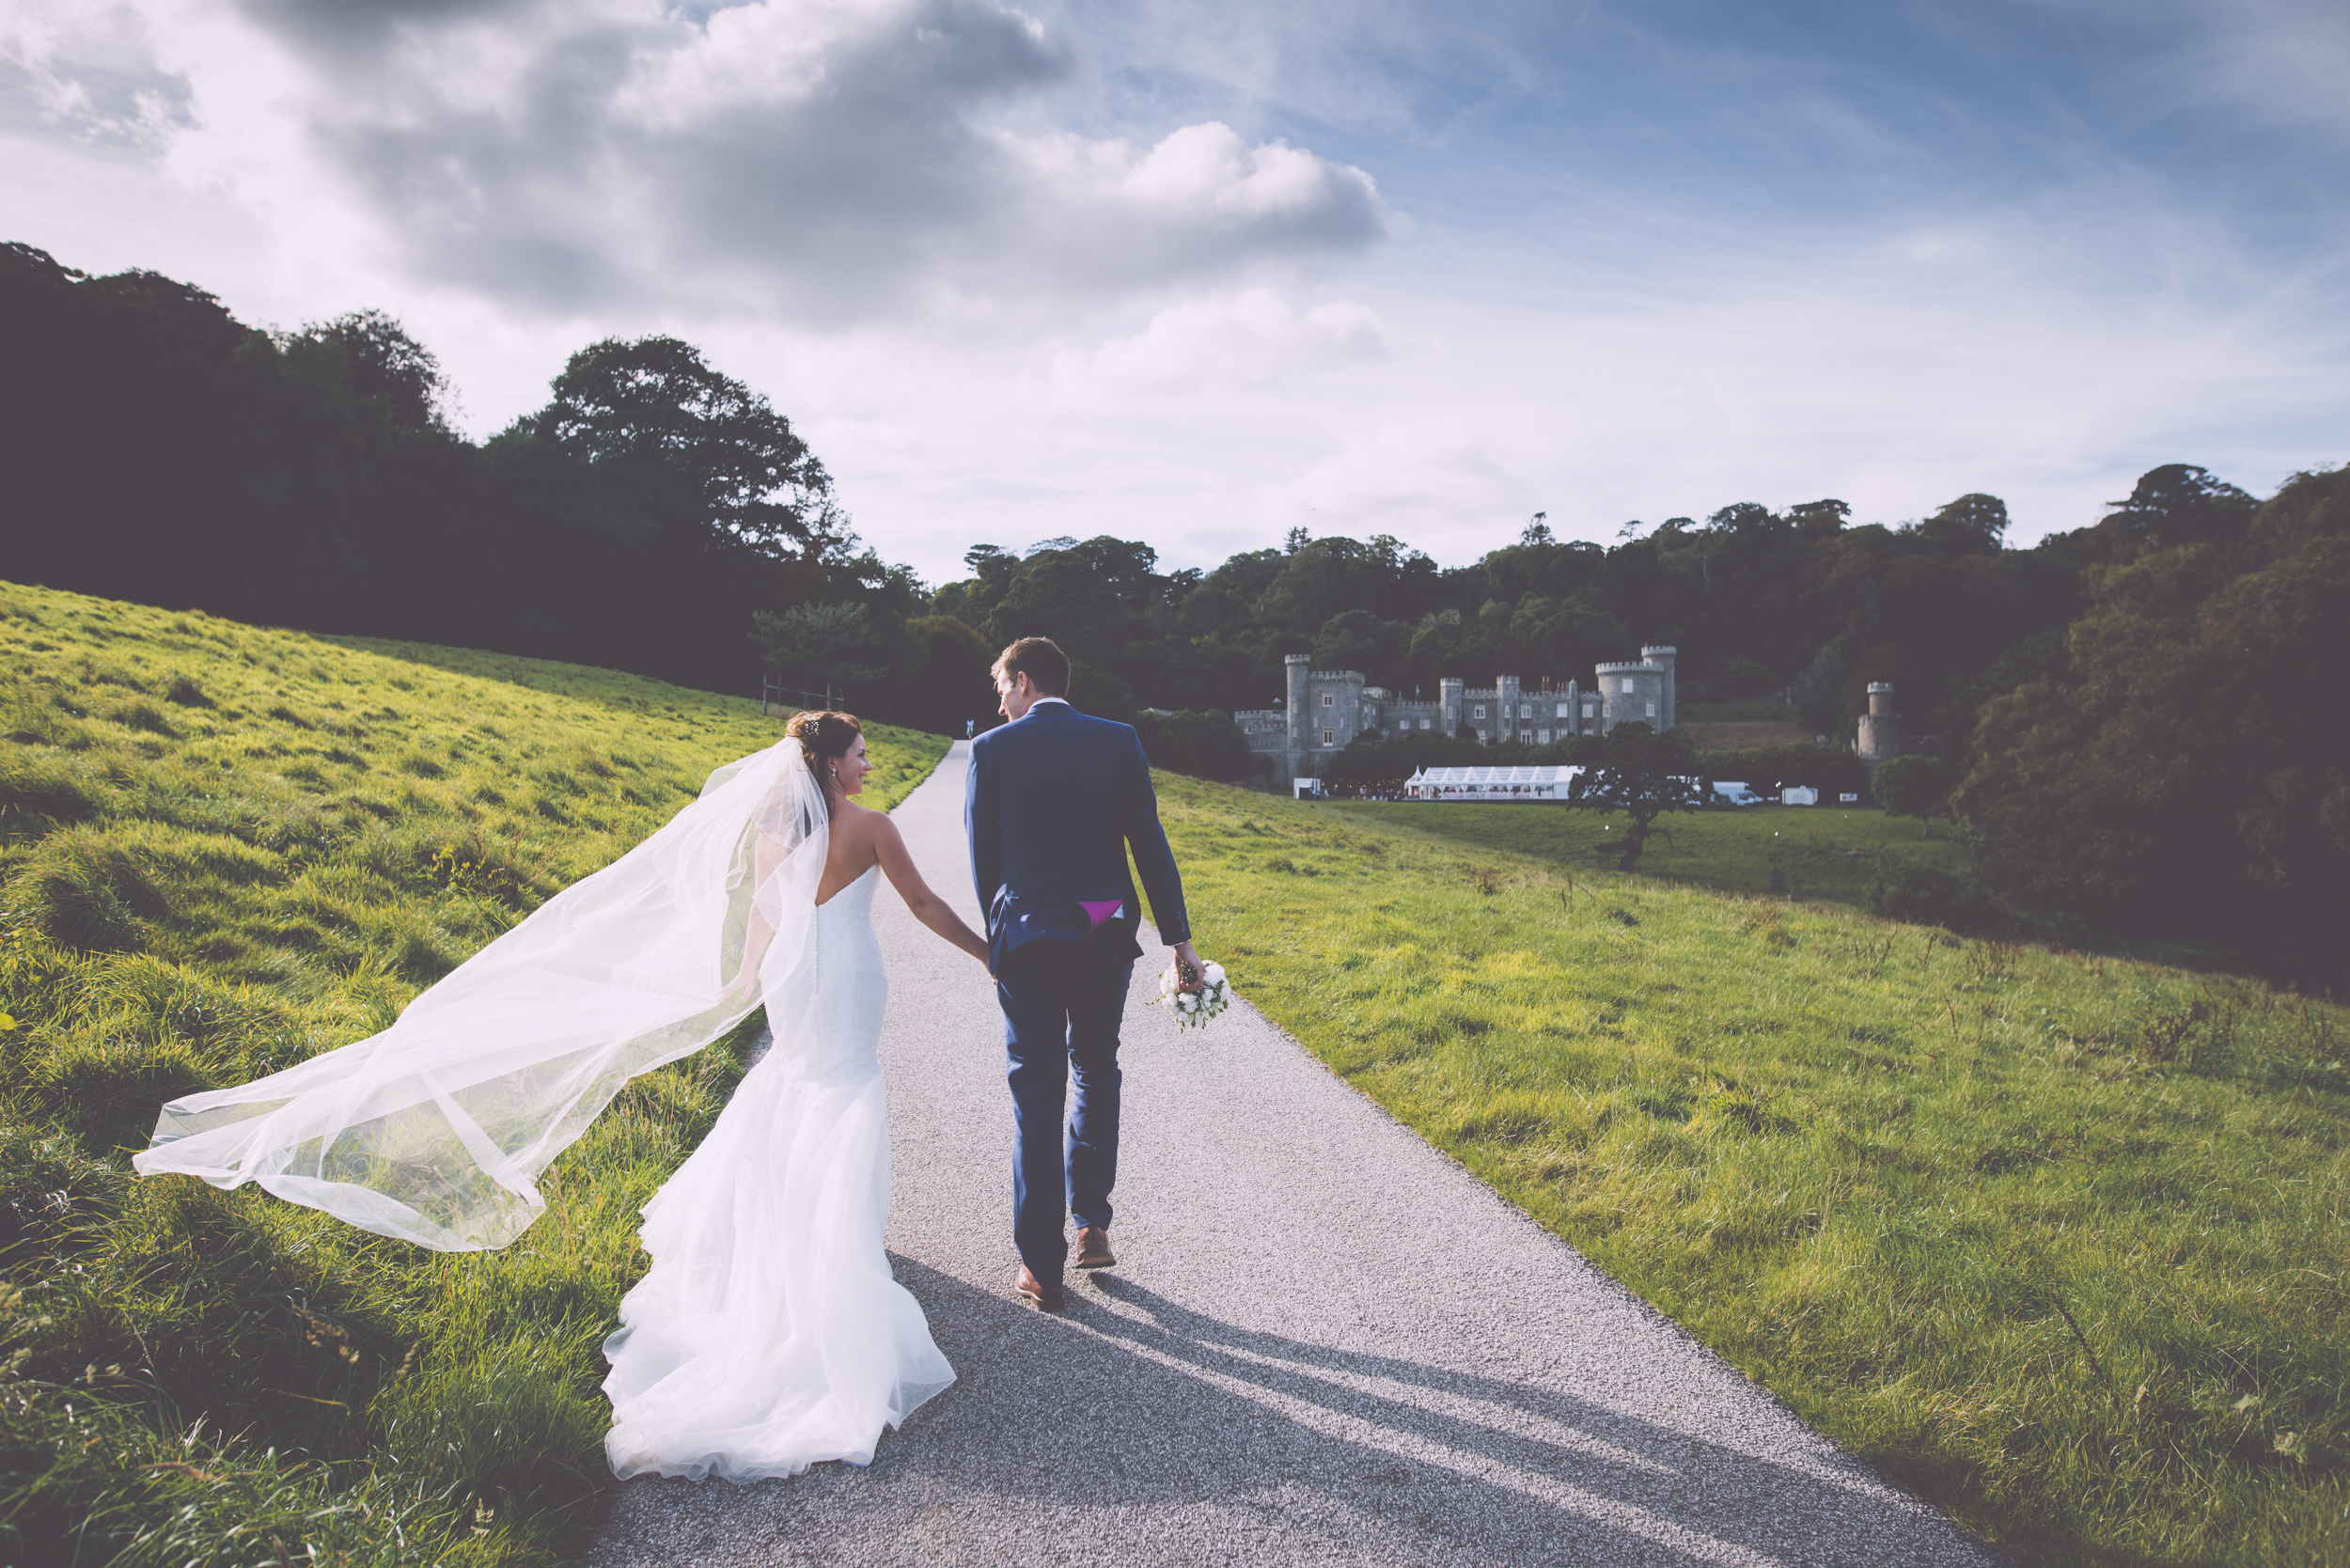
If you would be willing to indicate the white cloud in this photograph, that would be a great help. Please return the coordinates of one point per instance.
(1247, 339)
(819, 161)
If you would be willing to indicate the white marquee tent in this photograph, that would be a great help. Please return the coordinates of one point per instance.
(1522, 784)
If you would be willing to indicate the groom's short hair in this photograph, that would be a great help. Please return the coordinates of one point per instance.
(1040, 660)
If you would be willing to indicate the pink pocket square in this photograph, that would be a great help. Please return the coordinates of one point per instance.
(1100, 912)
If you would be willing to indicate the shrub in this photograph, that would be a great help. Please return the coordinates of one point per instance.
(1906, 889)
(1912, 786)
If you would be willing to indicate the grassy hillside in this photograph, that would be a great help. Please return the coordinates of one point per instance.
(1827, 854)
(225, 848)
(2059, 1242)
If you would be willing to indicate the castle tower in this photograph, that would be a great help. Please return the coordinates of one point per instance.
(1297, 668)
(1575, 711)
(1663, 658)
(1629, 691)
(1880, 737)
(1449, 705)
(1507, 718)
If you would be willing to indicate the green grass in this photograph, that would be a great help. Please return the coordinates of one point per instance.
(1825, 853)
(223, 850)
(2056, 1241)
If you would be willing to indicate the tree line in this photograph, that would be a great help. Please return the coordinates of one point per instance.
(2143, 718)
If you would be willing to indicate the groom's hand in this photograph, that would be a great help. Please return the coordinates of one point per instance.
(1193, 975)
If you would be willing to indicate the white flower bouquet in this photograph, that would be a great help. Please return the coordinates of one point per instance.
(1193, 1009)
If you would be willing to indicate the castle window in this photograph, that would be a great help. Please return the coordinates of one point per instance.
(1526, 710)
(1627, 687)
(1562, 710)
(1325, 696)
(1542, 737)
(1652, 710)
(1481, 711)
(1326, 737)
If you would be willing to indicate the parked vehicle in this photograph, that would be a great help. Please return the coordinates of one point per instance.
(1798, 794)
(1730, 792)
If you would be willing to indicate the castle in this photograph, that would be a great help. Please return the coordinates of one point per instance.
(1323, 709)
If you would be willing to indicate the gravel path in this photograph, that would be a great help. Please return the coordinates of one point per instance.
(1325, 1344)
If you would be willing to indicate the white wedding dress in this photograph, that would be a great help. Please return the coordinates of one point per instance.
(769, 1334)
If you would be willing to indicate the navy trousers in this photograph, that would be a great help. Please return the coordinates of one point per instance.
(1062, 1004)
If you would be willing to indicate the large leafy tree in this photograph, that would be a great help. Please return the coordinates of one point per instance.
(705, 455)
(384, 361)
(2189, 774)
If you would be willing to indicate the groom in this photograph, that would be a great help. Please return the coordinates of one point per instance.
(1055, 799)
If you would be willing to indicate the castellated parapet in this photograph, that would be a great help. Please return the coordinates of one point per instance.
(1323, 710)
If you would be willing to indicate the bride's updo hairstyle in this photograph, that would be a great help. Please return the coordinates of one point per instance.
(824, 738)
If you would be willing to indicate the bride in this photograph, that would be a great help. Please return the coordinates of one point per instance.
(769, 1334)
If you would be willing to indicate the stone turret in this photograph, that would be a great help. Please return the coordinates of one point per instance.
(1663, 659)
(1506, 716)
(1298, 667)
(1449, 705)
(1880, 737)
(1575, 711)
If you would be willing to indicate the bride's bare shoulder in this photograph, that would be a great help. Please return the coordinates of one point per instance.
(860, 823)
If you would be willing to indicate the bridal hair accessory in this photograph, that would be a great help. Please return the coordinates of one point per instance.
(436, 1130)
(1193, 1009)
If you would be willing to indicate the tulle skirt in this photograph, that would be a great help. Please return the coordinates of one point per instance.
(769, 1334)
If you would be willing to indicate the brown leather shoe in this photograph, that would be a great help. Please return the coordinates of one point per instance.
(1043, 1297)
(1093, 1247)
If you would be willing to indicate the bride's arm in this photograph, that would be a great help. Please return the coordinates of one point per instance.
(928, 908)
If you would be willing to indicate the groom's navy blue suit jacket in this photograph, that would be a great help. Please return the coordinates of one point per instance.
(1053, 800)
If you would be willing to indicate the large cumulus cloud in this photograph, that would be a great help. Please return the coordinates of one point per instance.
(819, 159)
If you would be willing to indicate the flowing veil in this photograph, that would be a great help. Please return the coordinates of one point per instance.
(435, 1130)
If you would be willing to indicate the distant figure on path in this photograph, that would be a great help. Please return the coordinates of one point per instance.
(1055, 799)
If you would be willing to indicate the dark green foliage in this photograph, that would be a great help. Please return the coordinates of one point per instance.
(1930, 895)
(944, 682)
(2187, 772)
(172, 455)
(1205, 746)
(1912, 786)
(822, 648)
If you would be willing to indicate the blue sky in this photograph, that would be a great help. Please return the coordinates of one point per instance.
(1200, 272)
